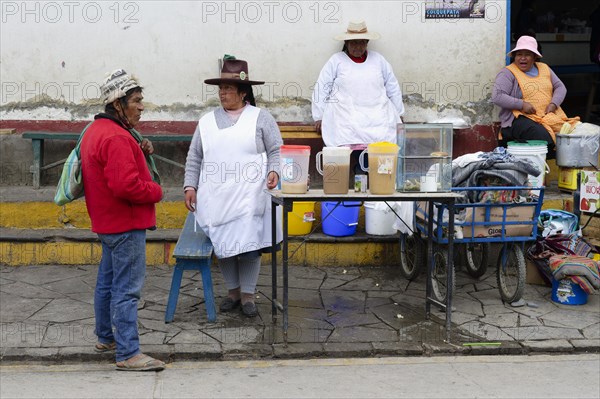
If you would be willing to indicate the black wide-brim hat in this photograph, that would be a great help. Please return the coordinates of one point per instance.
(234, 71)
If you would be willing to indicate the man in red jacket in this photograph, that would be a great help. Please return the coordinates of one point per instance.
(120, 196)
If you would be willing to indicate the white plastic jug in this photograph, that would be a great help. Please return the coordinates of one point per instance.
(333, 163)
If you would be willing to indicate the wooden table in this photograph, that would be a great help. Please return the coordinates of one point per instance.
(287, 200)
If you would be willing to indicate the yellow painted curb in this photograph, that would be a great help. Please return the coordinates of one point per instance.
(72, 253)
(308, 254)
(47, 215)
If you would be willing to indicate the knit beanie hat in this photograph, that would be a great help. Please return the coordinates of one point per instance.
(116, 86)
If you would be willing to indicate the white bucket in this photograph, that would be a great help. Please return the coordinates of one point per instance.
(379, 219)
(535, 152)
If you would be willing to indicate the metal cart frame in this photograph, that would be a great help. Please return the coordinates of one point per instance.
(511, 260)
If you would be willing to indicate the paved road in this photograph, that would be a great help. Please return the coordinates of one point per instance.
(560, 376)
(47, 315)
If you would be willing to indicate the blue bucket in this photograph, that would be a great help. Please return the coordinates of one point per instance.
(567, 292)
(342, 220)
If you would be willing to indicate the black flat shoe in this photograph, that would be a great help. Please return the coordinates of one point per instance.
(249, 309)
(229, 304)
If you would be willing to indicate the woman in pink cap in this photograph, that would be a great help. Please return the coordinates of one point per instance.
(530, 95)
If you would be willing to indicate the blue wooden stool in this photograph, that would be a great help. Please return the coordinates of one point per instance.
(192, 252)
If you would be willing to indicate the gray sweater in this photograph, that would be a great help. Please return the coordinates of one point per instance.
(268, 139)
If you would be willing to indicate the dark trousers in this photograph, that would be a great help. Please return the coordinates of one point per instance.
(524, 129)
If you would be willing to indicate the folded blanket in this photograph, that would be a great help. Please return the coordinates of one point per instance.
(579, 269)
(511, 170)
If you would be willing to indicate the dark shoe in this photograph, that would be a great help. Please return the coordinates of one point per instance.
(229, 304)
(249, 309)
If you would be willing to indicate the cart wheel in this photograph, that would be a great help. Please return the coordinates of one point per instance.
(412, 255)
(476, 257)
(439, 279)
(511, 272)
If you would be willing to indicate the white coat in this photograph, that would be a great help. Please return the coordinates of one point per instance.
(232, 206)
(358, 103)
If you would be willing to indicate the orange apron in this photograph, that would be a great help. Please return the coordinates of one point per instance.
(538, 92)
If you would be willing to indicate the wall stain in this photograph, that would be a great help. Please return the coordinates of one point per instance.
(478, 113)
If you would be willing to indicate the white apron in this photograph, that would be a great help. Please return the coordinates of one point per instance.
(232, 207)
(359, 111)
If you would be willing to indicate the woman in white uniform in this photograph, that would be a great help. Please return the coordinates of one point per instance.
(357, 99)
(233, 158)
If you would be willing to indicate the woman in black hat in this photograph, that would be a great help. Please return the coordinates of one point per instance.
(233, 157)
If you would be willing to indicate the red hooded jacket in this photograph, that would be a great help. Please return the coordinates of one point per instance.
(119, 191)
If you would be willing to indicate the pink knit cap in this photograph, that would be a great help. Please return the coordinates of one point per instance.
(526, 43)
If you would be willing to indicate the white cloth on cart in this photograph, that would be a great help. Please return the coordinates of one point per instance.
(405, 211)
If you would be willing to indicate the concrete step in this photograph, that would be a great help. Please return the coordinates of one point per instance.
(33, 230)
(20, 247)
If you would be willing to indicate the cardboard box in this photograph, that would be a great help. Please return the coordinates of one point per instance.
(533, 275)
(590, 191)
(493, 225)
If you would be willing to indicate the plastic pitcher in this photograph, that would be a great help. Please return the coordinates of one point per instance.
(294, 169)
(335, 169)
(383, 161)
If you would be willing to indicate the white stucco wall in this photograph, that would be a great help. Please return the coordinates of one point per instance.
(54, 54)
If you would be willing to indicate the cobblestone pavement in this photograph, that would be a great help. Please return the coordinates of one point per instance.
(46, 314)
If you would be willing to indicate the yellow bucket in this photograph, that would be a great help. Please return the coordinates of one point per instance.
(300, 219)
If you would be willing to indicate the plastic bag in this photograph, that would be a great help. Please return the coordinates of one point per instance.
(555, 221)
(591, 136)
(586, 128)
(70, 185)
(405, 210)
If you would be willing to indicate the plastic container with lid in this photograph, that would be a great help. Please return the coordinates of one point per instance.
(383, 162)
(425, 154)
(294, 169)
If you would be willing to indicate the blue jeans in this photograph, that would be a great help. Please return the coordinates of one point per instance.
(118, 288)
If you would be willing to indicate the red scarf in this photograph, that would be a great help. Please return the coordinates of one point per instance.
(359, 60)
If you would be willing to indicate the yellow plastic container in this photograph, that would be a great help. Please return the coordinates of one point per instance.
(567, 178)
(301, 218)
